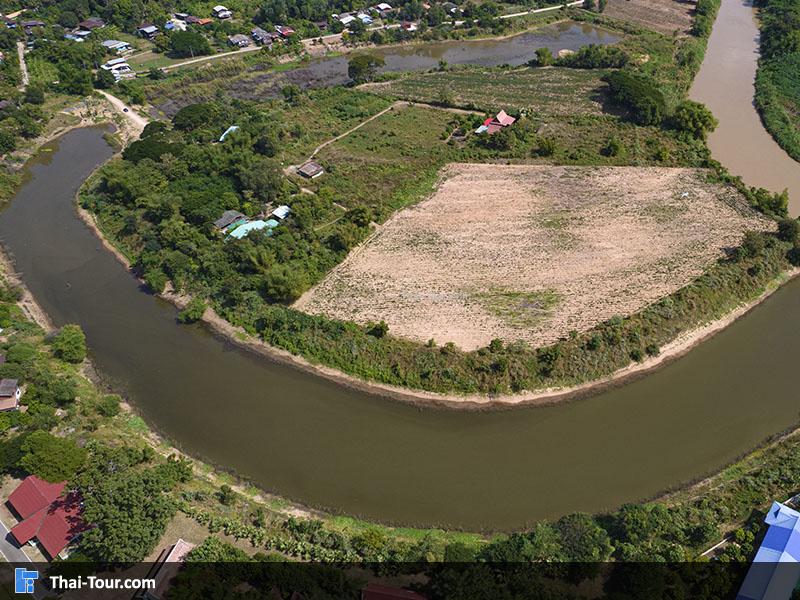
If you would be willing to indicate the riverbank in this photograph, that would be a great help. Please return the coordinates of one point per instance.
(670, 352)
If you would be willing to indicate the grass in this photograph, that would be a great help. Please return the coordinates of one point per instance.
(519, 309)
(390, 162)
(778, 100)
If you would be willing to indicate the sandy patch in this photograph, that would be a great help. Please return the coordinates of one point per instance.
(532, 253)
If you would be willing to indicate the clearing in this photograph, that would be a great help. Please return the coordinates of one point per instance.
(532, 253)
(664, 16)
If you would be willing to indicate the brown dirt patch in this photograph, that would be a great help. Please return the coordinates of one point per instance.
(665, 16)
(532, 253)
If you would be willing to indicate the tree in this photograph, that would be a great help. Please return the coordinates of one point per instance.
(544, 57)
(34, 94)
(789, 230)
(193, 312)
(188, 43)
(51, 458)
(263, 177)
(69, 344)
(695, 119)
(363, 67)
(582, 539)
(639, 94)
(104, 79)
(195, 115)
(601, 5)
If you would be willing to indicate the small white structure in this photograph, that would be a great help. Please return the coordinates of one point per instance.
(383, 6)
(281, 212)
(221, 12)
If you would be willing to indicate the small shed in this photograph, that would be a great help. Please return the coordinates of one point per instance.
(311, 170)
(9, 394)
(281, 212)
(148, 31)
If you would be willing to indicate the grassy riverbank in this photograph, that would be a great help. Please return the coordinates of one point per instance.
(777, 82)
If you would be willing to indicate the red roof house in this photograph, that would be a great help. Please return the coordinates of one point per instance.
(54, 520)
(34, 494)
(504, 119)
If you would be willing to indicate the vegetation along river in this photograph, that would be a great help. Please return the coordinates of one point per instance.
(331, 447)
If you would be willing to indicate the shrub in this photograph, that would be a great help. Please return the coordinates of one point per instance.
(641, 95)
(193, 311)
(694, 119)
(109, 405)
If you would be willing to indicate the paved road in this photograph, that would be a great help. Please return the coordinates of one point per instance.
(9, 548)
(23, 66)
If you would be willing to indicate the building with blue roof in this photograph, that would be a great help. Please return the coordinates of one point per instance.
(776, 566)
(242, 230)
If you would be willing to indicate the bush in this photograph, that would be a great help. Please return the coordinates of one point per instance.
(193, 311)
(69, 344)
(51, 458)
(694, 119)
(156, 280)
(789, 230)
(109, 405)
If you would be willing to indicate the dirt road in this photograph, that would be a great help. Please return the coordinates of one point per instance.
(23, 66)
(135, 120)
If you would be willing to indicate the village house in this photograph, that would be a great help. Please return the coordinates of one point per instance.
(148, 31)
(117, 46)
(46, 515)
(364, 18)
(261, 37)
(165, 569)
(383, 7)
(30, 25)
(9, 394)
(311, 170)
(239, 40)
(221, 12)
(409, 26)
(284, 31)
(228, 218)
(243, 230)
(92, 23)
(78, 35)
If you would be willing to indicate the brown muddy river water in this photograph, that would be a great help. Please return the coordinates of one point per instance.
(318, 443)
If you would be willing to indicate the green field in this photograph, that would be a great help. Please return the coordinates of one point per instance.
(552, 91)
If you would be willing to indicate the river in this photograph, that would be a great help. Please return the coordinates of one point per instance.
(331, 447)
(740, 142)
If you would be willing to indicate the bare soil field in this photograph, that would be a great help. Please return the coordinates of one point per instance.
(665, 16)
(532, 253)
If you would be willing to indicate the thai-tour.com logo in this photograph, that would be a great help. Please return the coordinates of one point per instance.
(24, 582)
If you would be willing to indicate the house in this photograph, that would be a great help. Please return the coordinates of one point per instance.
(229, 130)
(110, 65)
(243, 230)
(148, 31)
(28, 25)
(780, 546)
(281, 212)
(365, 18)
(78, 35)
(220, 12)
(450, 8)
(228, 218)
(346, 19)
(117, 46)
(284, 31)
(383, 7)
(204, 21)
(92, 23)
(311, 170)
(375, 591)
(190, 19)
(9, 394)
(239, 40)
(165, 569)
(46, 514)
(261, 37)
(409, 26)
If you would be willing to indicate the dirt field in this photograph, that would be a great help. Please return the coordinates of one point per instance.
(532, 253)
(666, 16)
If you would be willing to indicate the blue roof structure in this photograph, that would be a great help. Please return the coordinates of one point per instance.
(242, 230)
(776, 566)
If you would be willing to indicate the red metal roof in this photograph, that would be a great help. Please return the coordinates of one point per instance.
(54, 526)
(504, 119)
(34, 494)
(376, 591)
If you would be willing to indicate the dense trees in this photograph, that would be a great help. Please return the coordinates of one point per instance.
(188, 43)
(639, 94)
(51, 458)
